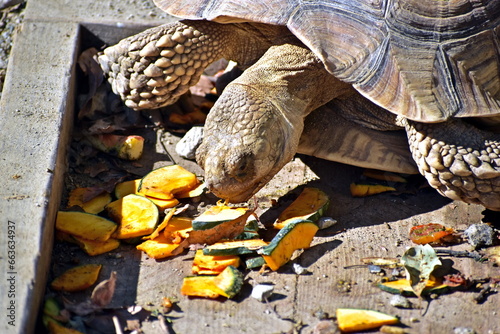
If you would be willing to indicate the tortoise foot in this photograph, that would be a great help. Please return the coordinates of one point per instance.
(459, 160)
(153, 68)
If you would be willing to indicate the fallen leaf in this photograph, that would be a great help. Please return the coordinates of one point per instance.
(104, 291)
(419, 262)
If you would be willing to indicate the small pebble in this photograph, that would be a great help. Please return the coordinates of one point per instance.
(326, 222)
(186, 147)
(463, 330)
(480, 235)
(374, 269)
(299, 270)
(262, 292)
(325, 327)
(400, 302)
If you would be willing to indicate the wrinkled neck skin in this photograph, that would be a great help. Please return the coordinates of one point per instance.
(254, 128)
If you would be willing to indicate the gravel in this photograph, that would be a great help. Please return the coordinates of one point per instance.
(11, 17)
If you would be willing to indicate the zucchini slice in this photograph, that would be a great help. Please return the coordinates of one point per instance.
(136, 216)
(165, 182)
(297, 234)
(311, 204)
(355, 320)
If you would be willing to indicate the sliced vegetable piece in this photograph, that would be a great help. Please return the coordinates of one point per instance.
(162, 226)
(94, 248)
(235, 247)
(354, 320)
(363, 190)
(227, 230)
(167, 181)
(77, 278)
(88, 200)
(427, 233)
(194, 192)
(125, 188)
(124, 147)
(202, 264)
(130, 187)
(200, 286)
(229, 281)
(160, 247)
(216, 215)
(297, 234)
(136, 215)
(255, 262)
(85, 225)
(403, 287)
(311, 204)
(178, 228)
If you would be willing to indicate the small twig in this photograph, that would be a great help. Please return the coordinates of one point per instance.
(486, 290)
(474, 255)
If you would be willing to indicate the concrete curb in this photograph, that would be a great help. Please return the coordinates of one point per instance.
(36, 116)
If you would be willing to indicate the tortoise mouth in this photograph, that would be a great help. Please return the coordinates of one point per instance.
(235, 192)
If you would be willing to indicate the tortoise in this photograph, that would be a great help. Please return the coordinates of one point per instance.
(350, 76)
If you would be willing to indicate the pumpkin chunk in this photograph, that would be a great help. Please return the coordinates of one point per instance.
(131, 187)
(167, 181)
(311, 205)
(85, 225)
(235, 247)
(228, 283)
(425, 234)
(297, 234)
(354, 320)
(136, 216)
(160, 247)
(77, 278)
(88, 200)
(124, 147)
(403, 287)
(363, 190)
(216, 215)
(212, 265)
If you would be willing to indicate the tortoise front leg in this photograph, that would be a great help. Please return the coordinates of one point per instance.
(153, 68)
(461, 161)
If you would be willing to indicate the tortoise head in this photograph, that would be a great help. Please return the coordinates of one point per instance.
(247, 140)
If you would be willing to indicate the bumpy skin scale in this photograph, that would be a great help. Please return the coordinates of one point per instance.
(459, 160)
(153, 68)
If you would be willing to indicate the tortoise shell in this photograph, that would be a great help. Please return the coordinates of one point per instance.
(427, 60)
